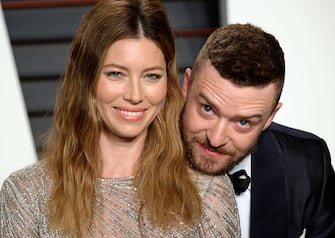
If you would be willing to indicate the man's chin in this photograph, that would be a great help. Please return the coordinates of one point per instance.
(213, 172)
(212, 168)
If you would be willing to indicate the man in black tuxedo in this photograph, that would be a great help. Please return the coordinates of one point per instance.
(231, 97)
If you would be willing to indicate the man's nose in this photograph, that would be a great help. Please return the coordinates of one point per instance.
(217, 133)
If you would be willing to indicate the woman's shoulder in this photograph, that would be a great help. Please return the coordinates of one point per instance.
(32, 176)
(217, 194)
(210, 185)
(23, 200)
(220, 214)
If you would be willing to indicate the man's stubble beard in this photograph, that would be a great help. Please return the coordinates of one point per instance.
(208, 165)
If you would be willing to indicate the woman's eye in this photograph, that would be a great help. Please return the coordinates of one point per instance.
(113, 74)
(153, 76)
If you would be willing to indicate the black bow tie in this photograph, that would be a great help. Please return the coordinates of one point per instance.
(240, 180)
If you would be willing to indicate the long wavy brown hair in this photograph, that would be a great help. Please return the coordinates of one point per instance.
(72, 145)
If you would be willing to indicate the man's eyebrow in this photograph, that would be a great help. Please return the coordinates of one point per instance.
(249, 117)
(209, 102)
(237, 116)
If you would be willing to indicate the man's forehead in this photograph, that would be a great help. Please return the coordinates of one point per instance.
(220, 91)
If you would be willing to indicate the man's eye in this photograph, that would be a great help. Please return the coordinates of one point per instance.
(244, 123)
(207, 109)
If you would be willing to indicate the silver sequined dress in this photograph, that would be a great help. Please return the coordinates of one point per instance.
(24, 195)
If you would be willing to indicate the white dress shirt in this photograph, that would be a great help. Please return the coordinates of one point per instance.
(243, 200)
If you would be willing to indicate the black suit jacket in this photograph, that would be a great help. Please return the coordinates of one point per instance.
(293, 186)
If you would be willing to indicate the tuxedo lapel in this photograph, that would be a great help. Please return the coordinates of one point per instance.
(268, 193)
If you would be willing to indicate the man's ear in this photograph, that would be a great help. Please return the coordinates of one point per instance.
(272, 115)
(186, 83)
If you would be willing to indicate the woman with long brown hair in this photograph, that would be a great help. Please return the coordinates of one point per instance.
(113, 162)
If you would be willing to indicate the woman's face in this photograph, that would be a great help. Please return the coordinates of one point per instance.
(132, 87)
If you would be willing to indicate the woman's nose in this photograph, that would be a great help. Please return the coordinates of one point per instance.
(134, 92)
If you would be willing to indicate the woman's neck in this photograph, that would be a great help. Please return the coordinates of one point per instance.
(119, 155)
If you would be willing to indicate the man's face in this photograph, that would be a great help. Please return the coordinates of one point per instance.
(221, 121)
